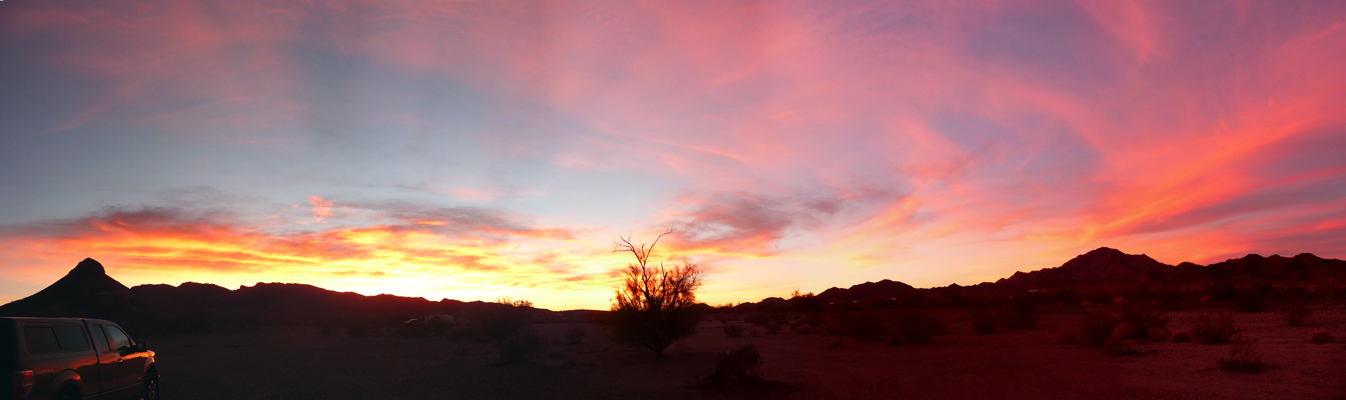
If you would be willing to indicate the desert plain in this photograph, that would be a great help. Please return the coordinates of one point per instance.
(303, 363)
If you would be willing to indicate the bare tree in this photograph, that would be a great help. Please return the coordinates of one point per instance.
(654, 307)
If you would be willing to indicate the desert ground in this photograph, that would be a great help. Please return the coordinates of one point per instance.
(301, 363)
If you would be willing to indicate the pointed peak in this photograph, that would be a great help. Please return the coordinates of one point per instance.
(88, 267)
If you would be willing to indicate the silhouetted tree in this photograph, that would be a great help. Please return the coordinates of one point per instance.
(655, 305)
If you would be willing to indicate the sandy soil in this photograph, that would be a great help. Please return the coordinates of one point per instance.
(300, 363)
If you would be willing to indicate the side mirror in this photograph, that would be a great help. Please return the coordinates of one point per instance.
(140, 347)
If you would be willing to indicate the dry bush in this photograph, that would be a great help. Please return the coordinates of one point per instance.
(736, 366)
(1067, 335)
(516, 347)
(772, 327)
(803, 329)
(914, 326)
(983, 322)
(1124, 331)
(1182, 337)
(503, 319)
(814, 319)
(1320, 336)
(1097, 328)
(655, 306)
(1214, 328)
(858, 324)
(576, 335)
(1248, 301)
(1296, 314)
(1017, 318)
(733, 330)
(1156, 334)
(1242, 358)
(1144, 318)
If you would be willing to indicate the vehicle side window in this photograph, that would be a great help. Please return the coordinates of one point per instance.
(71, 337)
(119, 338)
(100, 338)
(41, 339)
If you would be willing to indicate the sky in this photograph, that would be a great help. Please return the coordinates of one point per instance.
(475, 150)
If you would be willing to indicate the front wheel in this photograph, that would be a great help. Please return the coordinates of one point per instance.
(151, 387)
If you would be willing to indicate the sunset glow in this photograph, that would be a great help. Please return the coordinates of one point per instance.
(477, 150)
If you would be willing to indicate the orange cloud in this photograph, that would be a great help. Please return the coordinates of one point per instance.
(478, 262)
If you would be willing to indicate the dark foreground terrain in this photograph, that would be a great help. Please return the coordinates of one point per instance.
(301, 363)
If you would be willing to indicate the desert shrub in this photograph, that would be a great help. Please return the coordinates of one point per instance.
(772, 327)
(1156, 334)
(1248, 301)
(1214, 328)
(857, 324)
(515, 348)
(655, 305)
(915, 326)
(736, 366)
(1018, 317)
(1124, 331)
(1144, 318)
(503, 320)
(1182, 337)
(1320, 336)
(733, 330)
(1067, 335)
(1296, 314)
(803, 329)
(1097, 328)
(983, 322)
(1242, 358)
(576, 335)
(814, 319)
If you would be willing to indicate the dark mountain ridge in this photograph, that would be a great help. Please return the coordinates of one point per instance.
(1111, 267)
(869, 290)
(1102, 266)
(88, 292)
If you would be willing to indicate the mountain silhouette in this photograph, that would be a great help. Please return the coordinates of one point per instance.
(867, 291)
(289, 303)
(1102, 266)
(1105, 266)
(1301, 268)
(85, 292)
(88, 292)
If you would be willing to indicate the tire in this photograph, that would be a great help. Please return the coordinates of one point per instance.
(151, 391)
